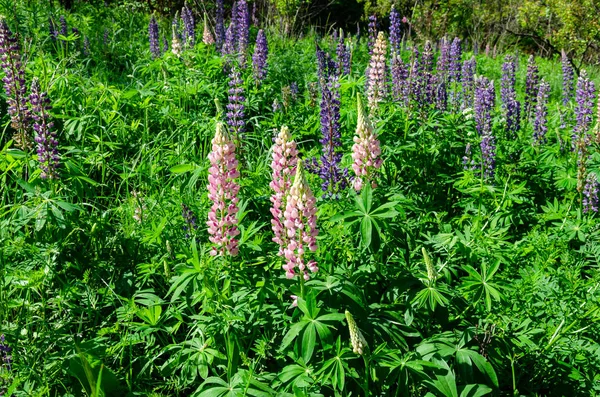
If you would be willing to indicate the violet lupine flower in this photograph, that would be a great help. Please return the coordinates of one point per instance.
(372, 33)
(229, 44)
(219, 24)
(540, 124)
(52, 28)
(510, 105)
(395, 29)
(333, 176)
(590, 194)
(454, 61)
(301, 223)
(444, 58)
(417, 79)
(285, 158)
(467, 160)
(15, 86)
(5, 356)
(428, 76)
(154, 37)
(191, 222)
(223, 190)
(343, 55)
(485, 97)
(441, 92)
(189, 27)
(165, 44)
(365, 151)
(568, 78)
(585, 96)
(484, 104)
(63, 26)
(235, 107)
(259, 58)
(468, 82)
(532, 82)
(400, 82)
(377, 68)
(243, 31)
(45, 137)
(207, 37)
(294, 90)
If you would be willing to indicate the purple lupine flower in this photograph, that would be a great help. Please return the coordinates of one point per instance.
(428, 76)
(191, 222)
(568, 78)
(590, 194)
(400, 82)
(45, 136)
(15, 86)
(235, 107)
(416, 78)
(243, 31)
(377, 84)
(467, 160)
(219, 25)
(343, 55)
(510, 105)
(154, 37)
(444, 58)
(334, 178)
(5, 356)
(254, 14)
(488, 155)
(485, 97)
(540, 124)
(532, 82)
(468, 82)
(395, 29)
(259, 58)
(372, 33)
(454, 61)
(165, 46)
(229, 44)
(441, 92)
(189, 27)
(63, 26)
(427, 58)
(294, 90)
(585, 96)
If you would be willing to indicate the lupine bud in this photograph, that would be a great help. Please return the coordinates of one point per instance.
(365, 151)
(372, 33)
(223, 191)
(540, 124)
(377, 68)
(532, 82)
(235, 107)
(301, 223)
(343, 55)
(207, 37)
(259, 58)
(285, 158)
(15, 86)
(189, 26)
(45, 137)
(176, 46)
(432, 273)
(191, 223)
(154, 37)
(590, 194)
(357, 340)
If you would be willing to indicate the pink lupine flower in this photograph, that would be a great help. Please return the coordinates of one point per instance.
(376, 91)
(222, 191)
(301, 224)
(294, 300)
(207, 37)
(285, 157)
(365, 151)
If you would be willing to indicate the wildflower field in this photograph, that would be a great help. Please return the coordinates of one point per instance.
(207, 202)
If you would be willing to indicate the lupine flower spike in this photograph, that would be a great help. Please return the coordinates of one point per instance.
(590, 194)
(15, 86)
(154, 37)
(176, 46)
(377, 71)
(259, 58)
(223, 191)
(285, 158)
(219, 24)
(532, 82)
(357, 340)
(189, 26)
(207, 37)
(301, 224)
(365, 151)
(45, 137)
(540, 124)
